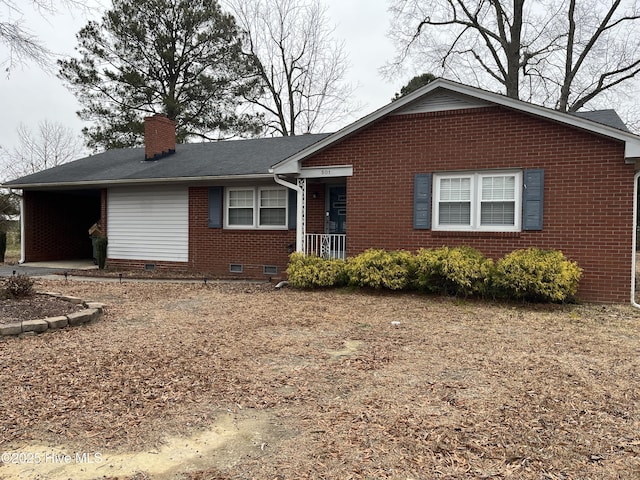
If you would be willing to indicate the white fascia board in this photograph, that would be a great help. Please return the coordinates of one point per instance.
(632, 151)
(285, 168)
(327, 172)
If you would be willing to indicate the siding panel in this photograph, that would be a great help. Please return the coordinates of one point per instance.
(439, 102)
(150, 223)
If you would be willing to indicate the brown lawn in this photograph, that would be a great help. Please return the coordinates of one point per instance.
(187, 381)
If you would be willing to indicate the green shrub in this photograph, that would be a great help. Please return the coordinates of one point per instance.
(456, 271)
(536, 275)
(381, 269)
(312, 271)
(18, 286)
(532, 274)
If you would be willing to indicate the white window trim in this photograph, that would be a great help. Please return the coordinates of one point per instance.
(476, 198)
(256, 209)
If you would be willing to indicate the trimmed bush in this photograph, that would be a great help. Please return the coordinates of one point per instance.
(532, 274)
(454, 271)
(536, 275)
(312, 271)
(18, 286)
(381, 269)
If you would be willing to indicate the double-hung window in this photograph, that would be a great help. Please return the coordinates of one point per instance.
(256, 208)
(478, 201)
(240, 206)
(273, 207)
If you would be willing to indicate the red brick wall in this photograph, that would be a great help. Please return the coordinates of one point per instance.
(316, 207)
(140, 265)
(211, 250)
(588, 204)
(103, 211)
(57, 225)
(159, 135)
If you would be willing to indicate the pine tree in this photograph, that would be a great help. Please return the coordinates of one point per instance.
(182, 58)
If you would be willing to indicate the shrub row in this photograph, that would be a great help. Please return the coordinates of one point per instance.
(532, 274)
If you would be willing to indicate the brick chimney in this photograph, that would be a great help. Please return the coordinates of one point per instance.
(159, 137)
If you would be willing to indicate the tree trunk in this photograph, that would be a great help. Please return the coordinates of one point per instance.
(512, 50)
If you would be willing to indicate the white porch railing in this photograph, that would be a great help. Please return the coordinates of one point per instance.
(326, 245)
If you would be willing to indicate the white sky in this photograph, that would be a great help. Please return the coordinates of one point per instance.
(30, 95)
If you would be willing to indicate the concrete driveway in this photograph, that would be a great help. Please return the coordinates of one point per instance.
(41, 269)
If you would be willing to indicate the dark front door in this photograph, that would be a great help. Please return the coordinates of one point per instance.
(336, 209)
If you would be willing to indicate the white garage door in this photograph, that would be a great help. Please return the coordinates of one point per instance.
(150, 223)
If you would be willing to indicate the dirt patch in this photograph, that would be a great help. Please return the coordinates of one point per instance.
(232, 438)
(457, 389)
(351, 347)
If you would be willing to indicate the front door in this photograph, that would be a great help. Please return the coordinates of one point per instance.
(336, 209)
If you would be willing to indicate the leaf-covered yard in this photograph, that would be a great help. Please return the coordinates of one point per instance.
(296, 384)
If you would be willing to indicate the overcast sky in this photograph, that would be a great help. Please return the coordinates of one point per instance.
(30, 95)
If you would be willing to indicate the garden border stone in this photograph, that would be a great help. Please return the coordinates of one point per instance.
(92, 312)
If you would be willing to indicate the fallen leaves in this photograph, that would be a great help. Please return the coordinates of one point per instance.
(458, 389)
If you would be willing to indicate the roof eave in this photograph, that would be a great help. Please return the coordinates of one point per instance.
(132, 182)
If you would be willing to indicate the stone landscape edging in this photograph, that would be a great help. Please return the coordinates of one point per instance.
(92, 311)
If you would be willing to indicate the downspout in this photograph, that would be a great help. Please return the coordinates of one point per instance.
(634, 237)
(21, 261)
(300, 226)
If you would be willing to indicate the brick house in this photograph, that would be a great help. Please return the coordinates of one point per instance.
(446, 165)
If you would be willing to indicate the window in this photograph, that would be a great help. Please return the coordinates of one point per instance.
(240, 208)
(483, 201)
(273, 207)
(256, 208)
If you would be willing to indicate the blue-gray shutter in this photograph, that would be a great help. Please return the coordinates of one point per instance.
(215, 207)
(533, 199)
(422, 201)
(293, 209)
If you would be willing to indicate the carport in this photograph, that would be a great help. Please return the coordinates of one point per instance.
(55, 223)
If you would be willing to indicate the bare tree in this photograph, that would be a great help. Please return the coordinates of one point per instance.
(23, 45)
(301, 67)
(561, 53)
(51, 145)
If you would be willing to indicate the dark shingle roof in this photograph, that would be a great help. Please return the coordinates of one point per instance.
(605, 117)
(191, 160)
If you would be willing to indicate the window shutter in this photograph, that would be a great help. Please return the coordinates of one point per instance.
(422, 201)
(533, 199)
(293, 209)
(215, 207)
